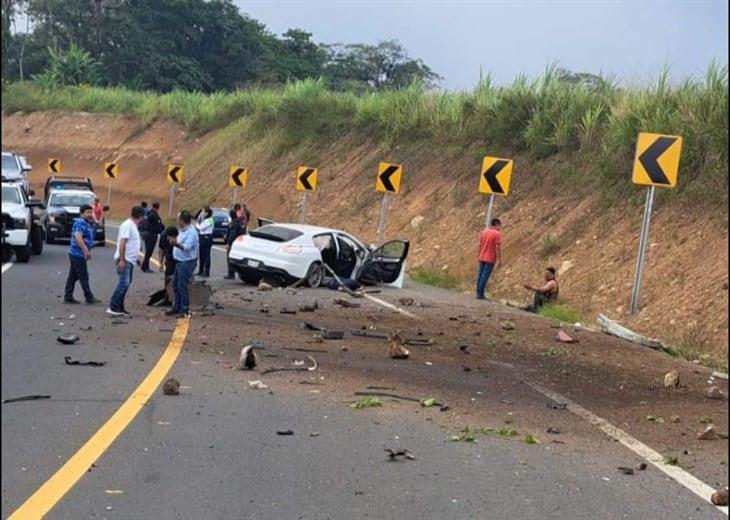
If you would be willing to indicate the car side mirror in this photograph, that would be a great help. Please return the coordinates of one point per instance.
(105, 208)
(31, 193)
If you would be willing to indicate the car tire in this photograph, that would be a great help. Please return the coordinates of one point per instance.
(248, 278)
(22, 253)
(36, 240)
(315, 275)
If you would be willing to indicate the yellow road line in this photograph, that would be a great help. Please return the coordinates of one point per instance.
(48, 495)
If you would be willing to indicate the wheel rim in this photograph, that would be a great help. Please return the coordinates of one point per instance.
(315, 277)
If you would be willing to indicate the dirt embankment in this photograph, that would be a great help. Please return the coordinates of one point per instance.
(593, 244)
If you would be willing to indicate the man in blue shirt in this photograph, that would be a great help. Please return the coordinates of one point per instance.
(79, 252)
(185, 253)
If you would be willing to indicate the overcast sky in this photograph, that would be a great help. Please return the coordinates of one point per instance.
(629, 39)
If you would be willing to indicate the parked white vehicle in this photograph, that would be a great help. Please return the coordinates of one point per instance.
(15, 168)
(290, 252)
(22, 227)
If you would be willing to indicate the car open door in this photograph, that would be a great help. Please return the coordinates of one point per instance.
(384, 264)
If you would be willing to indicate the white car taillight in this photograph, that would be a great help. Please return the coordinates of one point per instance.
(291, 250)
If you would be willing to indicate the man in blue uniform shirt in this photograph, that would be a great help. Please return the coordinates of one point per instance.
(79, 252)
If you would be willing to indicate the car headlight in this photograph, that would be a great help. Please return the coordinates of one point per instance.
(19, 222)
(52, 219)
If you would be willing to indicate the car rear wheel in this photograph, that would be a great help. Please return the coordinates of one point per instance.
(248, 278)
(315, 275)
(22, 253)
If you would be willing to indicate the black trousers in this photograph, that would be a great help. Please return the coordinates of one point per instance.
(78, 272)
(205, 244)
(150, 240)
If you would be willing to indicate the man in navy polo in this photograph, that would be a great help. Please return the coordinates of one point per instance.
(82, 240)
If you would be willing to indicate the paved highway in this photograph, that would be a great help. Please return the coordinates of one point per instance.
(213, 452)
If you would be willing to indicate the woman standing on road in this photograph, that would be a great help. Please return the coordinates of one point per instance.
(205, 230)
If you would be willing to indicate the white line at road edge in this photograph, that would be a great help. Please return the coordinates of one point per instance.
(7, 266)
(689, 481)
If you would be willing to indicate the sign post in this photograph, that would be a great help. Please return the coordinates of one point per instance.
(649, 171)
(175, 176)
(237, 177)
(306, 181)
(111, 171)
(387, 181)
(495, 179)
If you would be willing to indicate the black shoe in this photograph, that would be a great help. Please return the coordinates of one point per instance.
(125, 312)
(146, 270)
(93, 301)
(70, 300)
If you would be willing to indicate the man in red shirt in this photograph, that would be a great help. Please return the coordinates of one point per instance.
(98, 211)
(490, 253)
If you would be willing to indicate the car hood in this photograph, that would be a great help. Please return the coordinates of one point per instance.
(15, 210)
(63, 209)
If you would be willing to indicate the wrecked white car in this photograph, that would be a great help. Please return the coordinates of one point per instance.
(287, 253)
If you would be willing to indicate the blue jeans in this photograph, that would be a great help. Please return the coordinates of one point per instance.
(78, 272)
(125, 280)
(485, 271)
(183, 273)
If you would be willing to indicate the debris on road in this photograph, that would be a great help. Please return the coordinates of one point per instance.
(719, 375)
(171, 387)
(67, 339)
(553, 430)
(709, 433)
(508, 325)
(284, 310)
(284, 432)
(310, 326)
(442, 406)
(406, 302)
(396, 350)
(257, 385)
(247, 360)
(263, 286)
(393, 454)
(642, 466)
(564, 338)
(671, 379)
(314, 434)
(612, 328)
(290, 369)
(300, 349)
(557, 406)
(626, 471)
(332, 334)
(655, 418)
(342, 302)
(464, 348)
(720, 497)
(675, 419)
(308, 307)
(714, 392)
(70, 361)
(33, 397)
(367, 402)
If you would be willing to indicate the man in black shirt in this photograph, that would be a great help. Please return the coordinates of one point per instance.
(236, 228)
(152, 230)
(167, 264)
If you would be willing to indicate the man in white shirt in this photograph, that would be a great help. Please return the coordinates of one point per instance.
(126, 255)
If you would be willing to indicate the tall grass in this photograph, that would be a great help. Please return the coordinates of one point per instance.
(542, 115)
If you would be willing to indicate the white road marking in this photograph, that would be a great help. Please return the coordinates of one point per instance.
(7, 266)
(684, 478)
(391, 307)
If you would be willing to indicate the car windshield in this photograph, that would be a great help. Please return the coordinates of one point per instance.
(276, 233)
(10, 194)
(10, 165)
(71, 199)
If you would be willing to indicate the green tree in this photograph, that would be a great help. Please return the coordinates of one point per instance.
(74, 67)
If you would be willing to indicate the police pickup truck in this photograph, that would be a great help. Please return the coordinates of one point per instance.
(22, 222)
